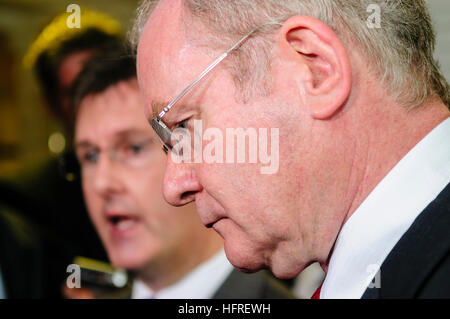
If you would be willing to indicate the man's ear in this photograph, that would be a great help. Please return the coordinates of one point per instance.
(322, 63)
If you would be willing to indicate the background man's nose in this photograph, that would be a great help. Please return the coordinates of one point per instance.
(180, 183)
(106, 179)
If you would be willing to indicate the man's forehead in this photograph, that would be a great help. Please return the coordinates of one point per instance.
(162, 28)
(169, 58)
(165, 9)
(118, 109)
(116, 137)
(159, 52)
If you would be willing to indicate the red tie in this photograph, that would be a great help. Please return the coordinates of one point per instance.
(317, 293)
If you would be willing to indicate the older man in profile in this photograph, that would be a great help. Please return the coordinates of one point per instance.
(166, 249)
(364, 135)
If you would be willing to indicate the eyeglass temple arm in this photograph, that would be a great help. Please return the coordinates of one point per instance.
(202, 75)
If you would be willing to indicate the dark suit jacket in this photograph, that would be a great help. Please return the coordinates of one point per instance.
(259, 285)
(419, 264)
(238, 285)
(21, 259)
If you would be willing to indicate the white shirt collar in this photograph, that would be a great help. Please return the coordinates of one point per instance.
(201, 283)
(386, 214)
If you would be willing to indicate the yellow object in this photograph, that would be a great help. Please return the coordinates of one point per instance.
(59, 31)
(57, 143)
(95, 265)
(115, 276)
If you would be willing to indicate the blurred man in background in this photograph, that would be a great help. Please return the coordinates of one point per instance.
(49, 194)
(166, 249)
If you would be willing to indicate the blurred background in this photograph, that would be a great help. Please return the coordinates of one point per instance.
(43, 221)
(28, 134)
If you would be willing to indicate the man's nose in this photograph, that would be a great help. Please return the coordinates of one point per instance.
(180, 183)
(106, 179)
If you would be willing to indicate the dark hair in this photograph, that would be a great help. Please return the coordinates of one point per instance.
(47, 65)
(100, 73)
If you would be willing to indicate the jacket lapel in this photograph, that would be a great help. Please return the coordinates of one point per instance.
(418, 252)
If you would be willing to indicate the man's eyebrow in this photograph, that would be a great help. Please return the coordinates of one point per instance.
(119, 137)
(130, 133)
(83, 144)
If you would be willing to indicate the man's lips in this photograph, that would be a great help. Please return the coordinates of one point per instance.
(211, 223)
(123, 224)
(121, 221)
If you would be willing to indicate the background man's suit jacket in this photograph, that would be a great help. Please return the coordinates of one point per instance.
(419, 264)
(42, 195)
(259, 285)
(21, 258)
(238, 285)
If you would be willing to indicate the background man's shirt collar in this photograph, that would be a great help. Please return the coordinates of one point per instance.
(201, 283)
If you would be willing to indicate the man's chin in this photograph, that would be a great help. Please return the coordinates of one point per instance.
(242, 262)
(247, 260)
(125, 260)
(124, 263)
(241, 251)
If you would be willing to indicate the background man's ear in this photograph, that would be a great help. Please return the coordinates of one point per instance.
(323, 61)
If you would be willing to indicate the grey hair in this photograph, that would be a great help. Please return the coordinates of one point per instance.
(399, 52)
(143, 12)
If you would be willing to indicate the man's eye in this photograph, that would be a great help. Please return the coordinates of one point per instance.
(136, 148)
(182, 124)
(91, 157)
